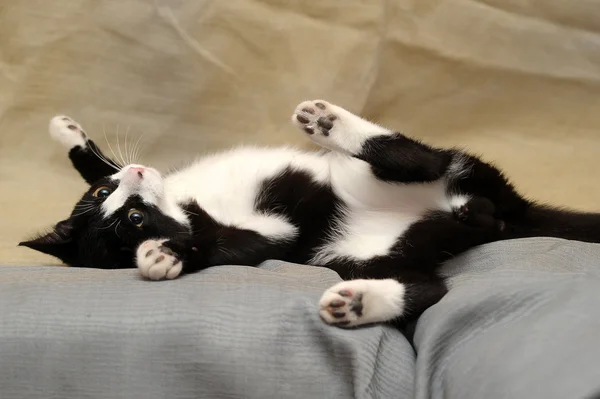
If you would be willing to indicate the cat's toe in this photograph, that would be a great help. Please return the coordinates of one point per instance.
(341, 306)
(67, 132)
(156, 262)
(314, 117)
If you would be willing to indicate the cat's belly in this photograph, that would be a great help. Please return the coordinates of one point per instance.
(363, 234)
(378, 213)
(354, 183)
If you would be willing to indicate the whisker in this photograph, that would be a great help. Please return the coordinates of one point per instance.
(84, 206)
(138, 148)
(133, 150)
(86, 202)
(109, 146)
(127, 157)
(116, 227)
(82, 213)
(119, 147)
(109, 226)
(110, 163)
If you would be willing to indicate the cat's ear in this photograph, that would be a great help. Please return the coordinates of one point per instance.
(59, 242)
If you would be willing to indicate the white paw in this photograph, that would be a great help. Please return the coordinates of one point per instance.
(315, 117)
(334, 127)
(356, 302)
(67, 132)
(157, 262)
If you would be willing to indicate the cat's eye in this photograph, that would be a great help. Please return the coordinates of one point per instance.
(136, 217)
(102, 192)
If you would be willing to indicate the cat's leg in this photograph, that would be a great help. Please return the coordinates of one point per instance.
(365, 301)
(401, 286)
(396, 157)
(213, 243)
(160, 259)
(393, 156)
(85, 155)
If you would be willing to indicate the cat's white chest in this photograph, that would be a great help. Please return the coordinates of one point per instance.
(227, 184)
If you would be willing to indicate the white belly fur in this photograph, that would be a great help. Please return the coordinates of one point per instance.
(378, 213)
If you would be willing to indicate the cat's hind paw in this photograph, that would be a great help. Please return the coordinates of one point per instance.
(67, 132)
(334, 127)
(157, 262)
(315, 117)
(357, 302)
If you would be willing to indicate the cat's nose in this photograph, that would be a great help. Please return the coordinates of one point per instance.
(137, 170)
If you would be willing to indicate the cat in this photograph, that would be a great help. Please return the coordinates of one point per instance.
(381, 209)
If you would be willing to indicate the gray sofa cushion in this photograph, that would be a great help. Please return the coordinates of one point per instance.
(227, 332)
(522, 320)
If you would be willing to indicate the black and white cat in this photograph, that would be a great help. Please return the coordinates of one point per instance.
(381, 209)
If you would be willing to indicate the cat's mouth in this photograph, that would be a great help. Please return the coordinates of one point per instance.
(134, 180)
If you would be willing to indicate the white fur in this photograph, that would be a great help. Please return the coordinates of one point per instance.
(382, 300)
(149, 186)
(154, 263)
(459, 167)
(376, 212)
(70, 138)
(456, 201)
(230, 182)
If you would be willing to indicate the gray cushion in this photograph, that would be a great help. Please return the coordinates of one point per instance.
(227, 332)
(522, 320)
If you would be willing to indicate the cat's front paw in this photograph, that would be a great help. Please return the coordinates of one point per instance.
(157, 262)
(67, 132)
(315, 117)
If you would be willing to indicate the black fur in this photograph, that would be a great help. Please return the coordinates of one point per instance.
(496, 212)
(88, 239)
(88, 163)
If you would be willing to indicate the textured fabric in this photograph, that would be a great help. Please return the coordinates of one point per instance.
(515, 80)
(228, 332)
(521, 321)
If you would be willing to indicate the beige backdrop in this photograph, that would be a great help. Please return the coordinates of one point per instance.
(517, 81)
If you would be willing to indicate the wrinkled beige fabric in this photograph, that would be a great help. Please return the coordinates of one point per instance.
(517, 81)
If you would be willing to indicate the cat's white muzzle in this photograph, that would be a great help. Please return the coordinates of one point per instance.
(134, 180)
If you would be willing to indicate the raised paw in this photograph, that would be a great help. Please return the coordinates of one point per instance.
(356, 302)
(157, 262)
(315, 117)
(67, 132)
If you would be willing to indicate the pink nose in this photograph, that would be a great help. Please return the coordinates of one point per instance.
(137, 170)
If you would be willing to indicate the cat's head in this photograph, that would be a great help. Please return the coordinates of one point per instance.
(112, 218)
